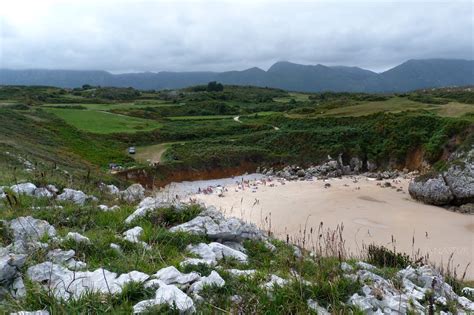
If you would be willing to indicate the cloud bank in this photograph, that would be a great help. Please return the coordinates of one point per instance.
(126, 35)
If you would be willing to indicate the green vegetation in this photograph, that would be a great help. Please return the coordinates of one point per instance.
(69, 137)
(103, 122)
(274, 126)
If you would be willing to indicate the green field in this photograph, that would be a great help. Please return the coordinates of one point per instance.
(103, 122)
(201, 117)
(107, 107)
(454, 109)
(299, 97)
(393, 105)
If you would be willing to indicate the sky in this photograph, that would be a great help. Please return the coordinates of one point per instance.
(221, 35)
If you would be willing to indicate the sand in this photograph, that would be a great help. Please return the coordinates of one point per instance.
(370, 214)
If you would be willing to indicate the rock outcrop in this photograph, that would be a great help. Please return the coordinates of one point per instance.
(66, 284)
(433, 191)
(212, 223)
(133, 193)
(455, 186)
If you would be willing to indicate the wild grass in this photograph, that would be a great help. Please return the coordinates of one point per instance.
(103, 122)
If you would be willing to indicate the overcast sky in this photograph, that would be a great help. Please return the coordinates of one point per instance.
(134, 35)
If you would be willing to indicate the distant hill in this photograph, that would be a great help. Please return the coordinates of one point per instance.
(410, 75)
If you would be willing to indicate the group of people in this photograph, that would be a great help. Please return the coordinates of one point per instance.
(242, 185)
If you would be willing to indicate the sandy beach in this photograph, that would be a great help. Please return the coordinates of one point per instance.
(369, 212)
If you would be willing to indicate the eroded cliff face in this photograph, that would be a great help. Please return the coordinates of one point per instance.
(454, 186)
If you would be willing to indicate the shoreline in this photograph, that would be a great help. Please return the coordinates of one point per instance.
(368, 211)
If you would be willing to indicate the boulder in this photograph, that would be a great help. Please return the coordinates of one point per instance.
(10, 265)
(379, 296)
(29, 229)
(460, 180)
(275, 281)
(43, 192)
(371, 166)
(170, 295)
(148, 204)
(212, 223)
(433, 190)
(214, 279)
(78, 238)
(42, 312)
(171, 275)
(133, 236)
(66, 284)
(133, 193)
(313, 305)
(112, 190)
(76, 196)
(241, 273)
(356, 164)
(65, 258)
(215, 251)
(24, 189)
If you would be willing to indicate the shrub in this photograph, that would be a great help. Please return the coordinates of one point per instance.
(384, 257)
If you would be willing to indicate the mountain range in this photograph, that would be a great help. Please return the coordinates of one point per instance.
(410, 75)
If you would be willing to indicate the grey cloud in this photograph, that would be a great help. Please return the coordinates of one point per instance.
(222, 35)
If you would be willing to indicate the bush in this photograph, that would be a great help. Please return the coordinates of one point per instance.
(384, 257)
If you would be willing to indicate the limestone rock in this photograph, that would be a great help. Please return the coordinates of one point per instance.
(78, 238)
(24, 189)
(312, 304)
(10, 265)
(433, 191)
(112, 190)
(42, 312)
(214, 279)
(133, 193)
(29, 229)
(133, 236)
(171, 275)
(212, 223)
(460, 180)
(43, 192)
(66, 284)
(76, 196)
(170, 295)
(215, 251)
(241, 273)
(275, 281)
(65, 258)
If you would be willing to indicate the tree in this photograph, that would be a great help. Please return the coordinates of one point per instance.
(214, 87)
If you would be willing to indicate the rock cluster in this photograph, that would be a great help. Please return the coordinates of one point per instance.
(66, 284)
(216, 226)
(455, 186)
(381, 296)
(330, 169)
(134, 193)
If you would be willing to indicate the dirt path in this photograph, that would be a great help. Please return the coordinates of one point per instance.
(151, 154)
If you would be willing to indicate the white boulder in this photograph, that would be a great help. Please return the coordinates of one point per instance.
(78, 238)
(212, 223)
(171, 275)
(76, 196)
(133, 193)
(170, 295)
(214, 279)
(24, 189)
(66, 284)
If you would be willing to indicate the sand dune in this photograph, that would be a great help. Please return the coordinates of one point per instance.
(370, 214)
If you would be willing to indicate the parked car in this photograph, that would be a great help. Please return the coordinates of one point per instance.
(131, 150)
